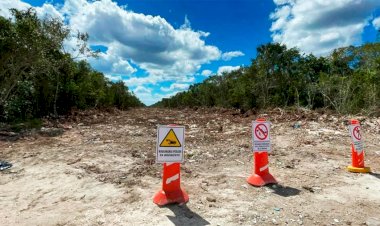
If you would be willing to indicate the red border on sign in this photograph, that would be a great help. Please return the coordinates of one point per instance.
(265, 133)
(356, 133)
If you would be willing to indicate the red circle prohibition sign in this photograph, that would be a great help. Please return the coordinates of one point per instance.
(261, 131)
(356, 133)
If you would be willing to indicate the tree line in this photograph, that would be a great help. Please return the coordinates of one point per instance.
(347, 81)
(38, 78)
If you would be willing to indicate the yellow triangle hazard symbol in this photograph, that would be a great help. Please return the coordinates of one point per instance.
(170, 140)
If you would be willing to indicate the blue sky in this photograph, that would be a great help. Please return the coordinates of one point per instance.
(160, 47)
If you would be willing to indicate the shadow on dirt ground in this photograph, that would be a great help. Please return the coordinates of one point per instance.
(284, 191)
(185, 216)
(377, 175)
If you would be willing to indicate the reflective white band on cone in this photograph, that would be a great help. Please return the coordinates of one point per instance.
(173, 178)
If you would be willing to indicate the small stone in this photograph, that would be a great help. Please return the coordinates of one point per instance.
(274, 221)
(211, 199)
(336, 220)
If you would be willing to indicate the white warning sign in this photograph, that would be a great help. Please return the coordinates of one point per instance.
(356, 137)
(261, 136)
(170, 144)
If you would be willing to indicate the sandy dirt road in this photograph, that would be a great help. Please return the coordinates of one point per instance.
(101, 171)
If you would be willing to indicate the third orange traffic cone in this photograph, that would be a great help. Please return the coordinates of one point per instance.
(357, 155)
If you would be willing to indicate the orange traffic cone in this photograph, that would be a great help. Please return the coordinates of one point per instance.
(357, 156)
(171, 186)
(261, 175)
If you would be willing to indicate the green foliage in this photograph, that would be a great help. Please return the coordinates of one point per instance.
(19, 125)
(347, 81)
(37, 78)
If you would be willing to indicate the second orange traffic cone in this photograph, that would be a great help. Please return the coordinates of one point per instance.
(261, 175)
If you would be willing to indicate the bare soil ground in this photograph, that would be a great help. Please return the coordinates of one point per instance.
(100, 170)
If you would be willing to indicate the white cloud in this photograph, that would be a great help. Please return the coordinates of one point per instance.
(376, 23)
(186, 24)
(142, 90)
(45, 10)
(48, 10)
(227, 69)
(5, 5)
(72, 7)
(317, 26)
(151, 98)
(175, 86)
(137, 81)
(206, 73)
(229, 55)
(110, 63)
(147, 41)
(151, 79)
(114, 78)
(282, 2)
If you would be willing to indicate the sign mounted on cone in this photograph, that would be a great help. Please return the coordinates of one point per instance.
(261, 136)
(170, 144)
(356, 137)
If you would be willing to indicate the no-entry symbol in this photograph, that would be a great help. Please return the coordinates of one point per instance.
(261, 131)
(356, 133)
(261, 136)
(356, 137)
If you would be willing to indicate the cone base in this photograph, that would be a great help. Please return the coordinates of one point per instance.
(163, 198)
(358, 170)
(261, 180)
